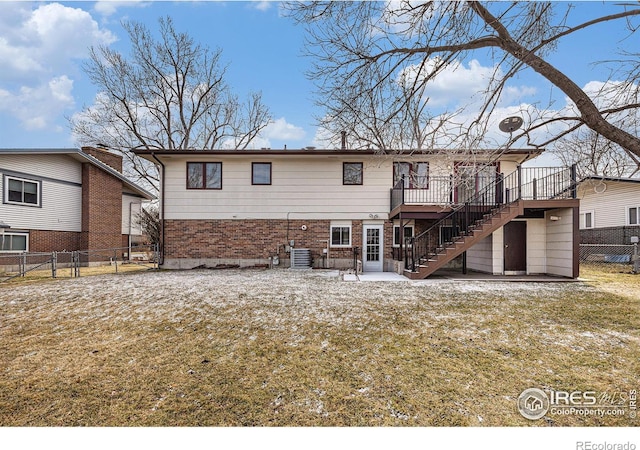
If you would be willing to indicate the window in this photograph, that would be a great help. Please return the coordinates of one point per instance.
(352, 173)
(204, 175)
(634, 215)
(586, 219)
(14, 242)
(408, 232)
(20, 191)
(340, 235)
(416, 175)
(260, 173)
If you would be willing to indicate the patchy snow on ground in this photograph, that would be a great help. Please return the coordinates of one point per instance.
(273, 298)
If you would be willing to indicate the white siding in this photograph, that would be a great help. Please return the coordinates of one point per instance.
(536, 246)
(559, 242)
(488, 255)
(61, 208)
(609, 207)
(302, 187)
(306, 187)
(131, 207)
(480, 256)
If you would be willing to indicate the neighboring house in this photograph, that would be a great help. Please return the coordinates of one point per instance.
(250, 207)
(66, 199)
(609, 210)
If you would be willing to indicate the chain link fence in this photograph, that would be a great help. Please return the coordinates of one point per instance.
(73, 264)
(610, 257)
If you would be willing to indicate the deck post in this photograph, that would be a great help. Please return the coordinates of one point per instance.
(574, 181)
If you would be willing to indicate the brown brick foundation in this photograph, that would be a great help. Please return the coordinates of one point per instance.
(193, 243)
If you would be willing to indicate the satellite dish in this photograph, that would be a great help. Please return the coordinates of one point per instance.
(511, 124)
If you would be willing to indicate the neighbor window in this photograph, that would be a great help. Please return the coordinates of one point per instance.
(408, 232)
(416, 174)
(352, 173)
(20, 191)
(586, 219)
(14, 242)
(260, 173)
(340, 235)
(634, 215)
(204, 175)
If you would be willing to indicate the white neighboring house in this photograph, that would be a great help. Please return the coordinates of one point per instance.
(336, 207)
(66, 199)
(609, 209)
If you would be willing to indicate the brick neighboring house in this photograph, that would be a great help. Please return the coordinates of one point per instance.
(250, 207)
(67, 199)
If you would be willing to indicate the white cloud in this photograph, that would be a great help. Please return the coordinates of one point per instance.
(261, 5)
(39, 47)
(109, 7)
(280, 129)
(38, 107)
(46, 39)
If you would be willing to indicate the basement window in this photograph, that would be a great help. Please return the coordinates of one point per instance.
(22, 191)
(340, 235)
(408, 232)
(14, 242)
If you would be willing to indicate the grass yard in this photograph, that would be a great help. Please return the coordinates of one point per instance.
(301, 348)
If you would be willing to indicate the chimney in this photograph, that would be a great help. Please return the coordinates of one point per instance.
(344, 140)
(104, 155)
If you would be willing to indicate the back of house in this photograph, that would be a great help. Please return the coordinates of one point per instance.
(358, 209)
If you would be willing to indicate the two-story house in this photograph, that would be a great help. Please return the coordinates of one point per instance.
(412, 212)
(67, 199)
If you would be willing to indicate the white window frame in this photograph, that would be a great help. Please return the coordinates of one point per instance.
(340, 225)
(628, 221)
(397, 226)
(14, 233)
(5, 185)
(583, 221)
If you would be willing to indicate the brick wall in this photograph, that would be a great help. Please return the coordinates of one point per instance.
(54, 241)
(101, 209)
(258, 239)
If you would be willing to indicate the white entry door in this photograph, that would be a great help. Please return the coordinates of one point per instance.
(372, 250)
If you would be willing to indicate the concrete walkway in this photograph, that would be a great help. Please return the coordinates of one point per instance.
(451, 275)
(375, 276)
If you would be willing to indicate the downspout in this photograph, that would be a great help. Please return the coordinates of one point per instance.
(161, 243)
(130, 231)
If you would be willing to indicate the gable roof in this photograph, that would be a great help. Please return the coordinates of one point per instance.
(82, 157)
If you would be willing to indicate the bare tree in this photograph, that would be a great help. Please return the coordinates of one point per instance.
(361, 49)
(594, 155)
(149, 221)
(169, 93)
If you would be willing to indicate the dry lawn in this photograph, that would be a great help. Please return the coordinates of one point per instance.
(302, 348)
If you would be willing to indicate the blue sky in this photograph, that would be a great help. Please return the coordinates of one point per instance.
(43, 44)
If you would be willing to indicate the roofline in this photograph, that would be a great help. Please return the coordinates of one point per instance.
(79, 153)
(324, 152)
(605, 178)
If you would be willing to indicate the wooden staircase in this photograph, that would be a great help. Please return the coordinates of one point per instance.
(482, 228)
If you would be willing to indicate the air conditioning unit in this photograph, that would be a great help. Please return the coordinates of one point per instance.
(300, 258)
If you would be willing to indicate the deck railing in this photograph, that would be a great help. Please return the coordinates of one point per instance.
(522, 184)
(530, 183)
